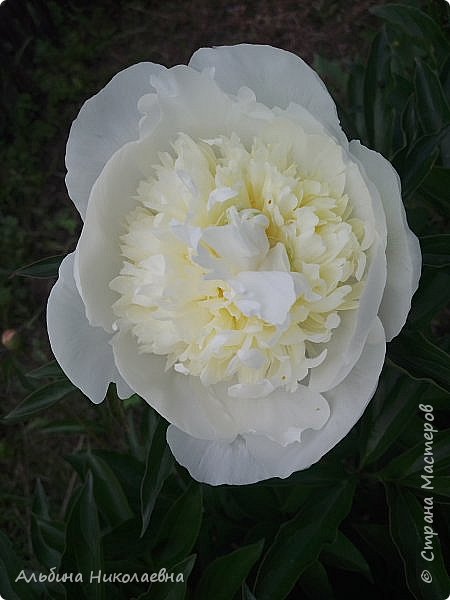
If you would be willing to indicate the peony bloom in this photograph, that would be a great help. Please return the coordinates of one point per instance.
(241, 264)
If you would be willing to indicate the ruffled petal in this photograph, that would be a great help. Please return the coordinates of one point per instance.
(250, 458)
(209, 412)
(105, 122)
(83, 352)
(277, 78)
(188, 101)
(403, 254)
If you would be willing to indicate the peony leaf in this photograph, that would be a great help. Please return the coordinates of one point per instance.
(437, 184)
(433, 295)
(223, 577)
(433, 109)
(179, 528)
(84, 553)
(45, 268)
(378, 112)
(315, 583)
(406, 523)
(128, 471)
(410, 463)
(47, 538)
(418, 26)
(436, 250)
(109, 494)
(421, 359)
(300, 541)
(388, 414)
(415, 163)
(40, 399)
(343, 554)
(159, 465)
(40, 501)
(169, 590)
(10, 567)
(50, 369)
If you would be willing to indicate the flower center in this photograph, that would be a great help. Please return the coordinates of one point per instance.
(237, 264)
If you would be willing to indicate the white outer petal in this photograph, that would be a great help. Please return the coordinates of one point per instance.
(105, 122)
(251, 458)
(83, 352)
(403, 254)
(208, 412)
(277, 78)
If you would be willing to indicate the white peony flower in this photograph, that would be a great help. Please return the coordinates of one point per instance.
(241, 265)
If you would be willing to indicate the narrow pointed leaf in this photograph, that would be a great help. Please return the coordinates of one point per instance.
(397, 406)
(300, 541)
(418, 26)
(343, 554)
(411, 463)
(421, 359)
(436, 250)
(45, 268)
(83, 552)
(180, 527)
(432, 105)
(315, 583)
(224, 576)
(159, 464)
(39, 400)
(426, 579)
(172, 590)
(50, 370)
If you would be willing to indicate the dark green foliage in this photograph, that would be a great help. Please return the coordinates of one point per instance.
(352, 525)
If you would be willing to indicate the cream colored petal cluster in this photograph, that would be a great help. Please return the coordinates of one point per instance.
(238, 261)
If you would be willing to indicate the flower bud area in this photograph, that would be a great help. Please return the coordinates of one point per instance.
(238, 261)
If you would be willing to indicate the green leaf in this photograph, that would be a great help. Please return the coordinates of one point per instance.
(50, 370)
(128, 471)
(432, 296)
(39, 400)
(416, 25)
(47, 536)
(432, 106)
(169, 590)
(45, 268)
(10, 568)
(300, 541)
(389, 414)
(179, 528)
(246, 593)
(69, 427)
(410, 464)
(48, 541)
(436, 250)
(224, 576)
(415, 163)
(407, 527)
(378, 112)
(420, 358)
(40, 501)
(437, 184)
(109, 493)
(83, 552)
(158, 467)
(315, 583)
(343, 554)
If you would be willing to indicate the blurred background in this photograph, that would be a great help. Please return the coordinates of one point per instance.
(55, 55)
